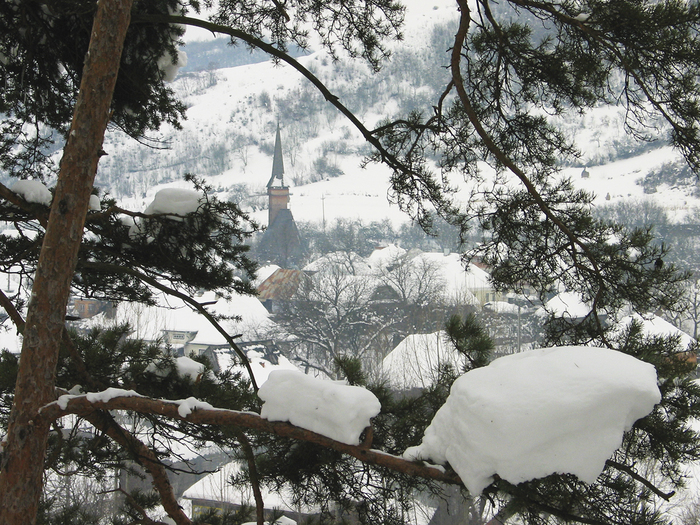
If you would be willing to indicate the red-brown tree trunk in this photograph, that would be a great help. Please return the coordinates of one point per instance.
(24, 450)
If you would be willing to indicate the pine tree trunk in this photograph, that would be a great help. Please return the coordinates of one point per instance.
(24, 450)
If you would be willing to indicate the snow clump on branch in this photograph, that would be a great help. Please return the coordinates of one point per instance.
(170, 68)
(33, 191)
(174, 203)
(331, 408)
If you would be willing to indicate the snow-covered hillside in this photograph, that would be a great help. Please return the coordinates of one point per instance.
(233, 113)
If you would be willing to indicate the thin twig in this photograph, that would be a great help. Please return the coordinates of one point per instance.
(637, 477)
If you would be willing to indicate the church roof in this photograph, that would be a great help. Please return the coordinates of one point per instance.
(281, 285)
(281, 242)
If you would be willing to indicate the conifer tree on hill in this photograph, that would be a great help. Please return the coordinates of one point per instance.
(509, 76)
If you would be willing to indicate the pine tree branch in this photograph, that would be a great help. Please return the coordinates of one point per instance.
(66, 339)
(626, 66)
(270, 50)
(41, 213)
(145, 520)
(82, 406)
(10, 309)
(505, 160)
(503, 515)
(78, 362)
(104, 422)
(114, 268)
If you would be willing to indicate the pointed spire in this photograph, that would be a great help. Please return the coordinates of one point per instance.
(277, 162)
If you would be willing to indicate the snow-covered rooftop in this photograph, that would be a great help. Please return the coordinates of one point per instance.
(173, 314)
(460, 281)
(653, 325)
(414, 361)
(566, 304)
(261, 367)
(385, 256)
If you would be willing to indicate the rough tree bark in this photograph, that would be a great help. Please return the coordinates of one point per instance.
(22, 465)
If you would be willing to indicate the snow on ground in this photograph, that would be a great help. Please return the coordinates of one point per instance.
(617, 182)
(414, 361)
(421, 14)
(527, 415)
(216, 487)
(331, 408)
(218, 111)
(361, 193)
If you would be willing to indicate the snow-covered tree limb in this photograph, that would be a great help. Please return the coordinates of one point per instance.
(82, 405)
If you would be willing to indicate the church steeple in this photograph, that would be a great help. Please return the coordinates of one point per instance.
(277, 162)
(277, 192)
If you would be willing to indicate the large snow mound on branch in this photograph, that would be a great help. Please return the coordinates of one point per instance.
(546, 411)
(331, 408)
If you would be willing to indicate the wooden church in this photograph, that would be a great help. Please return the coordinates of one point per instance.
(281, 243)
